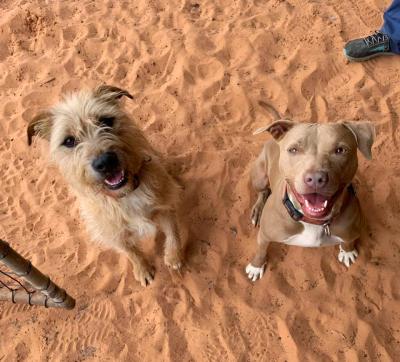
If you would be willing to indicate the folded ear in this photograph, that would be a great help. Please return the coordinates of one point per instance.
(277, 129)
(364, 133)
(39, 126)
(111, 93)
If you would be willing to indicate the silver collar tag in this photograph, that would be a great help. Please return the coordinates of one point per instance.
(327, 229)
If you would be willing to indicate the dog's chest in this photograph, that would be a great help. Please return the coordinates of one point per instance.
(313, 236)
(138, 213)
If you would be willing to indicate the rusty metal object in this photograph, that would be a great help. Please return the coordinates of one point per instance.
(47, 293)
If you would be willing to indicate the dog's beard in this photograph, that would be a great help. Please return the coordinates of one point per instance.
(87, 182)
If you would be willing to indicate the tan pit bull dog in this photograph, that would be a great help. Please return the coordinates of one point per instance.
(305, 196)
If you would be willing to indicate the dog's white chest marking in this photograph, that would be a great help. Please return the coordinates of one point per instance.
(313, 236)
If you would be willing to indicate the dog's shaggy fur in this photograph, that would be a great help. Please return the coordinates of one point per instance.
(135, 197)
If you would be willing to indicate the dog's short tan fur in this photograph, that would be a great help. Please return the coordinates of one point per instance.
(149, 199)
(278, 165)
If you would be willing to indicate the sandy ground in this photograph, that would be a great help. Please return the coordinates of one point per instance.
(198, 72)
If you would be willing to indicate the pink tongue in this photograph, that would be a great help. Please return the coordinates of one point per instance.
(115, 179)
(315, 200)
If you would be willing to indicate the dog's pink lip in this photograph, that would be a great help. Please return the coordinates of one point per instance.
(116, 180)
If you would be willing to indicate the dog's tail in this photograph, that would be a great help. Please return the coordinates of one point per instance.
(269, 108)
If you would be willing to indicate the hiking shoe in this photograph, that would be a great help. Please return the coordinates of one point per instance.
(369, 47)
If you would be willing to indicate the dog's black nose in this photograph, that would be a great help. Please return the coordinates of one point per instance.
(106, 162)
(316, 180)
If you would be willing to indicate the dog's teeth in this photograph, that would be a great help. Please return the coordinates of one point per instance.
(315, 209)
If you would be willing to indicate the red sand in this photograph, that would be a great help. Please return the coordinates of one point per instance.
(198, 74)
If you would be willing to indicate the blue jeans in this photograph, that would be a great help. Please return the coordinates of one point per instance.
(391, 25)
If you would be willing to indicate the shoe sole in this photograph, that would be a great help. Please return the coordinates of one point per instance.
(366, 58)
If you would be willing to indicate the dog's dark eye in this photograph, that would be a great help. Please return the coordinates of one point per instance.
(69, 142)
(293, 150)
(340, 150)
(107, 121)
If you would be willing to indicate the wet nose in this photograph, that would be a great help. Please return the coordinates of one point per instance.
(106, 162)
(316, 180)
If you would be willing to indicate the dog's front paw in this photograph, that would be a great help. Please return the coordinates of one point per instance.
(347, 257)
(254, 273)
(173, 261)
(144, 275)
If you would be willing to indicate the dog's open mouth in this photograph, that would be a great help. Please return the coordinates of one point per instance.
(116, 180)
(315, 205)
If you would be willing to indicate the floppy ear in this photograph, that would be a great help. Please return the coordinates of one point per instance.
(364, 133)
(39, 126)
(111, 93)
(277, 129)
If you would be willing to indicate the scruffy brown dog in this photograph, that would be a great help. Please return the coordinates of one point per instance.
(124, 191)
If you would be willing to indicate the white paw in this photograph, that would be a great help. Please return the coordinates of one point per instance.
(254, 273)
(347, 257)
